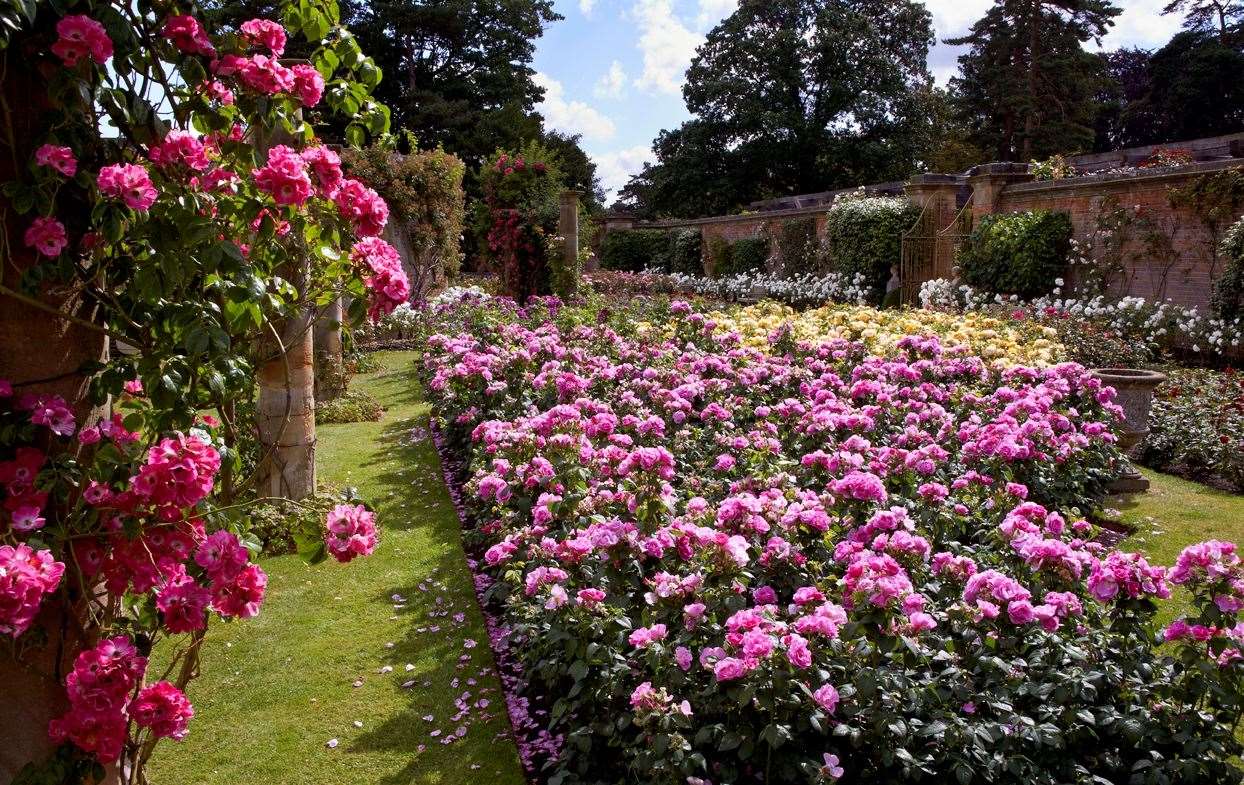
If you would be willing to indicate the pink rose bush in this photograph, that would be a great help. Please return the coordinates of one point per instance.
(131, 528)
(889, 574)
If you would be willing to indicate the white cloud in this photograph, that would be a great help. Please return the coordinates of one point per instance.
(586, 6)
(713, 11)
(666, 44)
(615, 168)
(613, 83)
(573, 117)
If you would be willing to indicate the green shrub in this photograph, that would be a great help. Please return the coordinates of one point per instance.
(426, 202)
(633, 250)
(279, 525)
(749, 255)
(354, 406)
(686, 252)
(1228, 297)
(864, 236)
(1017, 253)
(797, 245)
(718, 256)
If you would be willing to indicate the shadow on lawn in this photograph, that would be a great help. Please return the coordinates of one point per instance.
(413, 497)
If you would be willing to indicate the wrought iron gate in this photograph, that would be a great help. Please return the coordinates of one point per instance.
(929, 250)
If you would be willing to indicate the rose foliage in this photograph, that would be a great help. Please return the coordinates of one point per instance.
(177, 187)
(730, 564)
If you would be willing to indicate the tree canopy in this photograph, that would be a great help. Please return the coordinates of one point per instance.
(792, 96)
(457, 72)
(1027, 87)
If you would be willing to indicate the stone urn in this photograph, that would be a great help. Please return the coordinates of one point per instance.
(1135, 394)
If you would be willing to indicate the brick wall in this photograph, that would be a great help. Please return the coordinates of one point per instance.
(1185, 277)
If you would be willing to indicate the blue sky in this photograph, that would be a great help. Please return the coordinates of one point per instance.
(613, 69)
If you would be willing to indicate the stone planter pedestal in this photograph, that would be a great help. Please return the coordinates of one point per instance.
(1135, 394)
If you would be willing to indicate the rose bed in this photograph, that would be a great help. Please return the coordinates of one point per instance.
(721, 564)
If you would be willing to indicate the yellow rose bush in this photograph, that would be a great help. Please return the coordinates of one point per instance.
(995, 340)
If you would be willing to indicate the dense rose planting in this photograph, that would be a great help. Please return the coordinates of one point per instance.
(729, 564)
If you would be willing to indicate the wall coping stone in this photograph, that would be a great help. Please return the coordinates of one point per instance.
(1123, 178)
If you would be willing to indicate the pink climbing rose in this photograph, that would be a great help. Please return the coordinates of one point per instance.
(164, 709)
(130, 183)
(26, 576)
(351, 532)
(80, 37)
(58, 157)
(47, 236)
(285, 177)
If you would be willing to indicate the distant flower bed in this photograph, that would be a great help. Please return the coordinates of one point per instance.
(722, 563)
(803, 289)
(1197, 427)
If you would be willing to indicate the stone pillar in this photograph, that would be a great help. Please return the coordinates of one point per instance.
(285, 409)
(988, 180)
(330, 373)
(568, 228)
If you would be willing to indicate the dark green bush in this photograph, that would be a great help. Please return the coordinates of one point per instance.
(1017, 253)
(743, 256)
(278, 525)
(633, 250)
(718, 256)
(1228, 297)
(864, 236)
(686, 252)
(797, 245)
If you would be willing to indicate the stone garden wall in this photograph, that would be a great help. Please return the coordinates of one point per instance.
(1169, 252)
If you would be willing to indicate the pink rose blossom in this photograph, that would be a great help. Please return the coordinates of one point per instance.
(164, 709)
(47, 236)
(59, 158)
(130, 183)
(351, 532)
(80, 37)
(265, 33)
(188, 35)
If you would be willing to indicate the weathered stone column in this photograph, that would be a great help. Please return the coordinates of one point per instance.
(330, 373)
(285, 409)
(988, 180)
(568, 228)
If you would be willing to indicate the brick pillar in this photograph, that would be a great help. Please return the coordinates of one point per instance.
(936, 193)
(42, 354)
(987, 182)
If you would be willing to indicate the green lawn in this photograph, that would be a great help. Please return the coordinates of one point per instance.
(277, 688)
(1174, 514)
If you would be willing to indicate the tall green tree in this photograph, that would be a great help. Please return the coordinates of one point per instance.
(1196, 89)
(456, 72)
(1027, 87)
(796, 96)
(1224, 16)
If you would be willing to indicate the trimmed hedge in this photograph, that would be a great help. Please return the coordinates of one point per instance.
(864, 235)
(1017, 253)
(633, 250)
(1228, 297)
